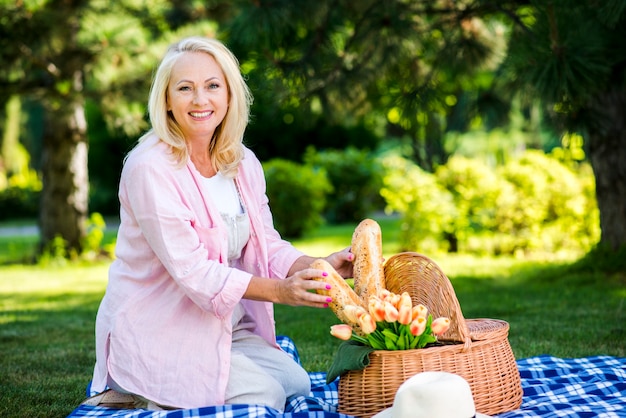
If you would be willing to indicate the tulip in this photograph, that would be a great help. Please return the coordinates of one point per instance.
(405, 300)
(417, 327)
(353, 312)
(377, 309)
(404, 314)
(391, 313)
(341, 331)
(419, 311)
(367, 323)
(440, 325)
(394, 300)
(383, 294)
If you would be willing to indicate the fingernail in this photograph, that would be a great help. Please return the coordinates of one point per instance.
(329, 300)
(328, 286)
(326, 305)
(350, 257)
(324, 274)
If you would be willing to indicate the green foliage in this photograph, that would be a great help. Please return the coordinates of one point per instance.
(475, 189)
(549, 209)
(21, 198)
(297, 195)
(54, 253)
(533, 204)
(356, 177)
(92, 245)
(426, 207)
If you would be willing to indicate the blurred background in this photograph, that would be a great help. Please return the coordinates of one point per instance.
(486, 127)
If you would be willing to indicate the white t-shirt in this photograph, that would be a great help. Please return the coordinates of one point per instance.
(228, 202)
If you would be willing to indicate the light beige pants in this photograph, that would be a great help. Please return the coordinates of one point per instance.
(261, 373)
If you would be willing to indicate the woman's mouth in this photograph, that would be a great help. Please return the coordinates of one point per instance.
(200, 115)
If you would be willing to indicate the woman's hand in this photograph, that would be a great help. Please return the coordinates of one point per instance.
(342, 262)
(300, 290)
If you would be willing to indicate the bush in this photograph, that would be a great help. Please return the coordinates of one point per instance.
(532, 205)
(551, 208)
(476, 190)
(21, 198)
(297, 195)
(426, 207)
(356, 177)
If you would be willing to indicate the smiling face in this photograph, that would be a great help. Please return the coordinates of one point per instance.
(197, 95)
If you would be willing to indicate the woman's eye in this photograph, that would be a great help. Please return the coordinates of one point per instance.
(213, 86)
(184, 88)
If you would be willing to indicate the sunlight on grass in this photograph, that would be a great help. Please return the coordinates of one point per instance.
(47, 316)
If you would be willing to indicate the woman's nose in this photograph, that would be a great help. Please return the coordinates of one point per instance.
(200, 97)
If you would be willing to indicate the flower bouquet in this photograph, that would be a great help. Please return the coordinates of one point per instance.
(390, 322)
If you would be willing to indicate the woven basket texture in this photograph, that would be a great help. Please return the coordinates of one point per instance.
(476, 349)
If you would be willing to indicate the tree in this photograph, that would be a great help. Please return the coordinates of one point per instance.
(572, 55)
(396, 66)
(63, 53)
(405, 65)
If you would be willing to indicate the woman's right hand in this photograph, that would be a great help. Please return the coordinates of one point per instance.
(300, 289)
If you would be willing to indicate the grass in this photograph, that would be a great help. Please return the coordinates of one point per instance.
(47, 316)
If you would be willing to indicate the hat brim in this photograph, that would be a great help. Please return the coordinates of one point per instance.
(387, 413)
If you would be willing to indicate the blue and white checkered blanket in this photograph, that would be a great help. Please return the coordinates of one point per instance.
(553, 388)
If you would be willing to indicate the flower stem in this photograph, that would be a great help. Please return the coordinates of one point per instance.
(360, 339)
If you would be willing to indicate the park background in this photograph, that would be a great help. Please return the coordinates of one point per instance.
(488, 135)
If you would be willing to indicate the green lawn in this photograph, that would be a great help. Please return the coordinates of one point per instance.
(47, 317)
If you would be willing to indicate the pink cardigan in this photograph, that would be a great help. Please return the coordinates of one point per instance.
(163, 329)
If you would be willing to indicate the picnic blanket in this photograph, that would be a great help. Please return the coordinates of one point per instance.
(553, 387)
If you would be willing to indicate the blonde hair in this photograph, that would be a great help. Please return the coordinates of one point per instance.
(226, 146)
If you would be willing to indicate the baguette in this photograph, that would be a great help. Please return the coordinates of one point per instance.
(340, 291)
(367, 247)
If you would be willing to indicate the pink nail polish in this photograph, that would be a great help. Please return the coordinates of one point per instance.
(324, 274)
(328, 286)
(329, 300)
(326, 305)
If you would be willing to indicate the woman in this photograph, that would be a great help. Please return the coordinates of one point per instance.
(187, 318)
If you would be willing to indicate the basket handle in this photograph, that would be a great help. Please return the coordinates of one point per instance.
(422, 278)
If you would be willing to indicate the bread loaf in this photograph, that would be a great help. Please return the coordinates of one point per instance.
(340, 291)
(367, 247)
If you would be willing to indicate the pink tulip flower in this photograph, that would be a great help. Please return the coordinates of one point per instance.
(367, 323)
(341, 331)
(391, 313)
(377, 309)
(404, 314)
(417, 327)
(440, 325)
(419, 311)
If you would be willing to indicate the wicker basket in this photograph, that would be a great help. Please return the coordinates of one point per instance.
(476, 349)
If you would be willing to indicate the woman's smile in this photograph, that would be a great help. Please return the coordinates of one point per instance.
(197, 95)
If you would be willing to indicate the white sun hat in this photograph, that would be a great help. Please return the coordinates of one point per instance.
(433, 395)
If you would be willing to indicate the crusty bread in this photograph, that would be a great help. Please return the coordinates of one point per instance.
(340, 291)
(367, 247)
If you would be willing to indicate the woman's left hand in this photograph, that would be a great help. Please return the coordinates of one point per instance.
(342, 262)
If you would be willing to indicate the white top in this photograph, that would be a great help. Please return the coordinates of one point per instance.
(233, 212)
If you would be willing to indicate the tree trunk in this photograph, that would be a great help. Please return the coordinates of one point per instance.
(607, 142)
(65, 194)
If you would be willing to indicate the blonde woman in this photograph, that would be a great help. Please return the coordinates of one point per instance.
(187, 318)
